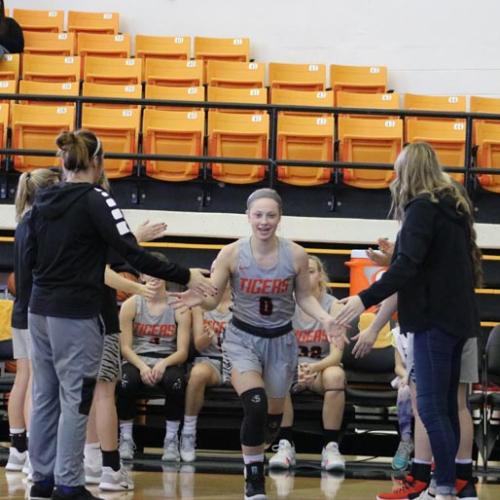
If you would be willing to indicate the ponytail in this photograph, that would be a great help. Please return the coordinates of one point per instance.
(29, 183)
(78, 149)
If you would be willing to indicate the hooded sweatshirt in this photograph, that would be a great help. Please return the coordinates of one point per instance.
(70, 229)
(431, 270)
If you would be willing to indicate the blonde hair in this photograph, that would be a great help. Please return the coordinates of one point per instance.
(29, 183)
(78, 149)
(418, 172)
(323, 284)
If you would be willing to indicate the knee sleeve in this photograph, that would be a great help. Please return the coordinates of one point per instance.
(174, 384)
(253, 427)
(273, 427)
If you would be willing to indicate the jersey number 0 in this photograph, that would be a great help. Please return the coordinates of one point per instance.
(266, 306)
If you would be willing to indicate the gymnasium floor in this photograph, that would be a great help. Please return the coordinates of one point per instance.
(218, 477)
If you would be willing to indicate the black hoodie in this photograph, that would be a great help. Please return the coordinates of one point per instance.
(71, 227)
(431, 270)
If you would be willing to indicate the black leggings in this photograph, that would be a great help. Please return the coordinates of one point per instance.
(172, 384)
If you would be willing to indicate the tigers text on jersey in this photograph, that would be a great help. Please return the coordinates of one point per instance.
(263, 297)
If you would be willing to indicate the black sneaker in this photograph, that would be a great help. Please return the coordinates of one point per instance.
(79, 493)
(255, 482)
(466, 490)
(41, 490)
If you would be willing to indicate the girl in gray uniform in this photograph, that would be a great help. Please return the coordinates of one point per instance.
(210, 368)
(155, 344)
(319, 371)
(265, 272)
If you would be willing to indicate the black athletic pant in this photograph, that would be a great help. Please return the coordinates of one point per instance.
(172, 385)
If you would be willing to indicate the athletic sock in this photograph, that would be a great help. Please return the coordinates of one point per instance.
(287, 433)
(18, 439)
(250, 459)
(421, 471)
(126, 429)
(464, 469)
(172, 428)
(111, 459)
(92, 452)
(189, 427)
(330, 435)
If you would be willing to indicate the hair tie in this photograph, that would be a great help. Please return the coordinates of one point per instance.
(97, 148)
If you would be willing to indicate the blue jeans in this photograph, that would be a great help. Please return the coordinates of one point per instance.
(437, 371)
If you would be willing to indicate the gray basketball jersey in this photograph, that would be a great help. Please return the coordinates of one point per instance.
(264, 297)
(311, 336)
(216, 322)
(154, 333)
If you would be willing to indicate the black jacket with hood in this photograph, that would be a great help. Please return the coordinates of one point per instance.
(431, 270)
(71, 228)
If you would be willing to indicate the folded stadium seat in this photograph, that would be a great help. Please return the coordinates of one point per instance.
(483, 105)
(93, 22)
(173, 73)
(221, 49)
(96, 44)
(307, 138)
(361, 79)
(368, 101)
(238, 136)
(42, 68)
(173, 132)
(487, 139)
(39, 20)
(118, 91)
(235, 74)
(119, 131)
(36, 127)
(48, 88)
(297, 76)
(10, 65)
(241, 96)
(319, 98)
(112, 70)
(418, 102)
(8, 87)
(366, 140)
(4, 124)
(174, 94)
(55, 44)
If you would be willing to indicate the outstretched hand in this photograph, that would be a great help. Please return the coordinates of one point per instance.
(200, 283)
(382, 256)
(353, 307)
(364, 343)
(149, 231)
(189, 298)
(336, 333)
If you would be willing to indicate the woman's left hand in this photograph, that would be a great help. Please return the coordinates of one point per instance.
(336, 333)
(158, 370)
(353, 307)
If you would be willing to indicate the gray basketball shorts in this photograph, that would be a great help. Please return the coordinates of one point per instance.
(21, 343)
(221, 365)
(274, 358)
(110, 368)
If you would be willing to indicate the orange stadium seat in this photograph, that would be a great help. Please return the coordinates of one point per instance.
(367, 101)
(112, 70)
(96, 44)
(4, 124)
(307, 138)
(8, 87)
(238, 135)
(446, 137)
(48, 88)
(235, 74)
(297, 76)
(173, 132)
(175, 94)
(106, 90)
(36, 127)
(366, 140)
(483, 105)
(488, 153)
(221, 49)
(119, 131)
(319, 98)
(39, 20)
(419, 102)
(363, 79)
(162, 47)
(51, 68)
(93, 22)
(10, 65)
(174, 73)
(56, 44)
(241, 96)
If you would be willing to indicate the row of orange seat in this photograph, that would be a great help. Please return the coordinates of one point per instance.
(236, 135)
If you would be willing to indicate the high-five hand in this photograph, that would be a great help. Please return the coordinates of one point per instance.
(199, 282)
(353, 307)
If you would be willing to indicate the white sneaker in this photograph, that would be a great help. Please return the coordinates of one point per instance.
(127, 448)
(331, 459)
(27, 469)
(16, 461)
(115, 480)
(426, 495)
(330, 484)
(188, 447)
(283, 481)
(93, 472)
(171, 450)
(284, 458)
